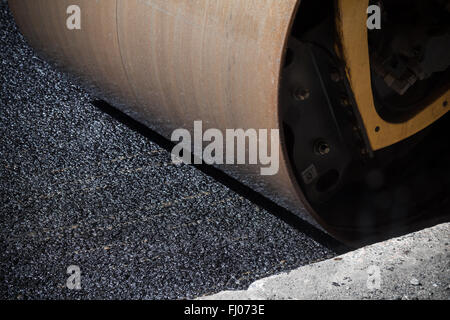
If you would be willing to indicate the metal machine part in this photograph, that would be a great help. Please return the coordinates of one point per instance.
(291, 65)
(350, 183)
(409, 57)
(384, 121)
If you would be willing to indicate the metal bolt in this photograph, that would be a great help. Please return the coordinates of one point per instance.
(345, 102)
(336, 76)
(302, 94)
(322, 148)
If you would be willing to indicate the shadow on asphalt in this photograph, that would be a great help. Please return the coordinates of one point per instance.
(238, 187)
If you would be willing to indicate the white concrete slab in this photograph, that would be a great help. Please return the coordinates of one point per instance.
(415, 266)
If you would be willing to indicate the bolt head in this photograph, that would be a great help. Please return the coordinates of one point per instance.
(302, 94)
(336, 76)
(322, 148)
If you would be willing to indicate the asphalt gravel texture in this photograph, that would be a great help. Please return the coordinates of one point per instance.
(78, 186)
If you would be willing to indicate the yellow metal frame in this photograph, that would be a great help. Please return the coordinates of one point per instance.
(352, 26)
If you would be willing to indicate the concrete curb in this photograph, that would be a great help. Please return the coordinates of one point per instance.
(415, 266)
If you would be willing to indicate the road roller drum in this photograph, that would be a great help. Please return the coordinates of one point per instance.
(350, 96)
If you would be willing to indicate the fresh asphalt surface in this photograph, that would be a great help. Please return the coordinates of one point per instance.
(81, 186)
